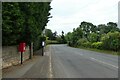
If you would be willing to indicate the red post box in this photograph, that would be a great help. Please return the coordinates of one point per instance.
(22, 47)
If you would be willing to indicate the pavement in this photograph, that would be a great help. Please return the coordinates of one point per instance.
(61, 61)
(37, 67)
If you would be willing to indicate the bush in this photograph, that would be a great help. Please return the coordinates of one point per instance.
(93, 37)
(111, 41)
(52, 42)
(80, 42)
(86, 44)
(115, 45)
(97, 45)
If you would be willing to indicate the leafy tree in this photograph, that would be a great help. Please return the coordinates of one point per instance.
(87, 28)
(81, 41)
(59, 39)
(68, 37)
(97, 45)
(74, 36)
(55, 35)
(24, 21)
(63, 38)
(93, 37)
(111, 41)
(101, 37)
(78, 33)
(49, 34)
(102, 28)
(110, 27)
(12, 22)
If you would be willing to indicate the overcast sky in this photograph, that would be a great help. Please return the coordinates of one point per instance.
(68, 14)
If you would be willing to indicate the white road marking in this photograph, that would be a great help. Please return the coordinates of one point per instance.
(50, 65)
(47, 53)
(42, 68)
(81, 54)
(103, 62)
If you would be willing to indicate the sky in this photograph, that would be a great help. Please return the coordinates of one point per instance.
(68, 14)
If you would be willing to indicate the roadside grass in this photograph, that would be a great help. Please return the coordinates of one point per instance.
(101, 51)
(52, 42)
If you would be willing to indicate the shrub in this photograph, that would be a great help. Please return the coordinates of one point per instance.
(80, 42)
(111, 41)
(115, 45)
(97, 45)
(86, 44)
(93, 37)
(52, 42)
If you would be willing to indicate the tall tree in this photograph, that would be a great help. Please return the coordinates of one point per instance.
(55, 35)
(24, 21)
(87, 28)
(49, 34)
(63, 38)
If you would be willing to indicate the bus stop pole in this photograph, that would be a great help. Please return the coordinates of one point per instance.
(43, 44)
(42, 50)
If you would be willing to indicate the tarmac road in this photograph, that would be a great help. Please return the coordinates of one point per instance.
(61, 61)
(68, 62)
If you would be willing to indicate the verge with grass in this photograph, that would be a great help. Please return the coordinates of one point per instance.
(101, 51)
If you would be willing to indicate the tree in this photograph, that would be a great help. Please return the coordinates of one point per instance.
(49, 34)
(112, 27)
(111, 41)
(12, 23)
(93, 37)
(101, 37)
(87, 28)
(55, 35)
(102, 28)
(68, 36)
(24, 21)
(63, 38)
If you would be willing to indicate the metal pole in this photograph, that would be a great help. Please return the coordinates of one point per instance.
(30, 57)
(21, 57)
(31, 50)
(42, 51)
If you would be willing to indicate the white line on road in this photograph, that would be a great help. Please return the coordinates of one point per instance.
(103, 62)
(50, 65)
(81, 54)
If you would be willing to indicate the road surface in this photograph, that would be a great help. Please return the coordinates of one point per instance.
(61, 61)
(70, 62)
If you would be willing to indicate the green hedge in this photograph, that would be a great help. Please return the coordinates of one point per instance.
(86, 44)
(81, 42)
(52, 42)
(111, 41)
(97, 45)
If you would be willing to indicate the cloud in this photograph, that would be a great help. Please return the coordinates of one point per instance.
(68, 14)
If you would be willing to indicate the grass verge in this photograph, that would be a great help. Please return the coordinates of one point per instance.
(101, 51)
